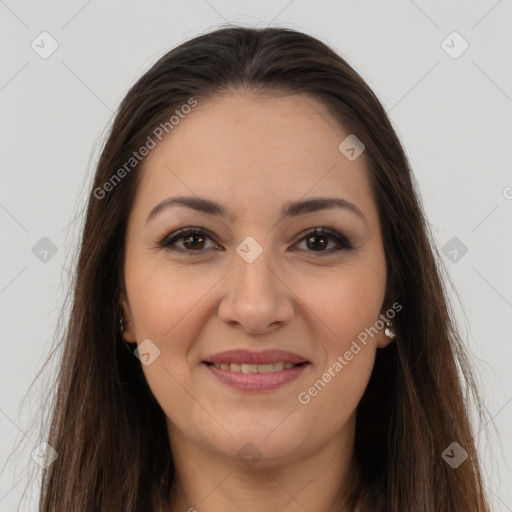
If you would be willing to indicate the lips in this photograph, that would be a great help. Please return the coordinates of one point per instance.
(246, 370)
(248, 357)
(254, 368)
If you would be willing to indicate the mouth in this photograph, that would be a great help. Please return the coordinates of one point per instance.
(246, 370)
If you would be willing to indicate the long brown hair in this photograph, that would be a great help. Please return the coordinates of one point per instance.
(106, 426)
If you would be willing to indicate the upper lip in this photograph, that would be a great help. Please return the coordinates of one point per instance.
(241, 356)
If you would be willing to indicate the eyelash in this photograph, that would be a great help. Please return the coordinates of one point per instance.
(167, 241)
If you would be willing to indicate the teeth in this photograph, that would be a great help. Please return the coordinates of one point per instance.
(265, 368)
(255, 368)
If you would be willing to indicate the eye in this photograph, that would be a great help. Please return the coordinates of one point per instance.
(318, 239)
(194, 239)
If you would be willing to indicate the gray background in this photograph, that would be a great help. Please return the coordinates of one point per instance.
(453, 116)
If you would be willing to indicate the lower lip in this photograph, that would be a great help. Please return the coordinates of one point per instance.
(257, 381)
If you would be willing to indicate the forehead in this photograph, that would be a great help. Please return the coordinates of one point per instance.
(246, 149)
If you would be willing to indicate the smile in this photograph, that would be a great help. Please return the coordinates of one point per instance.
(256, 377)
(254, 368)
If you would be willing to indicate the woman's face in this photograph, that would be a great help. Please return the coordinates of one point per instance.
(256, 281)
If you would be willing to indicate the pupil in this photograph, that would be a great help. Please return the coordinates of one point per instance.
(322, 245)
(188, 238)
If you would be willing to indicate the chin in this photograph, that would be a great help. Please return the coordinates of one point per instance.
(269, 447)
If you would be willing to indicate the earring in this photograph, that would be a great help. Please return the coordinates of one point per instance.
(122, 328)
(388, 331)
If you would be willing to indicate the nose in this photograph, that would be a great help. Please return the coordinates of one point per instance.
(257, 298)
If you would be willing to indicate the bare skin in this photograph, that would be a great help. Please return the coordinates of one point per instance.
(253, 154)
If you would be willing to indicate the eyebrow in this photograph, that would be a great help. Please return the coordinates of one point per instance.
(290, 209)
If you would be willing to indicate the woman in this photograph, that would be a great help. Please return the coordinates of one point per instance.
(259, 321)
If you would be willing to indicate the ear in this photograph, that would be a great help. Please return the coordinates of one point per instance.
(383, 340)
(129, 325)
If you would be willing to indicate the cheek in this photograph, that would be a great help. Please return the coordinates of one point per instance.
(346, 302)
(167, 302)
(169, 307)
